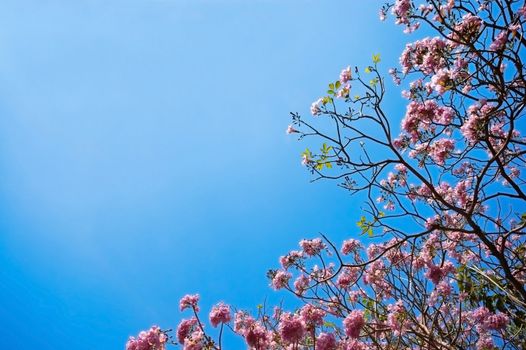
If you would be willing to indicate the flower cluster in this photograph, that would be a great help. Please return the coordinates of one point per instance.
(466, 30)
(425, 117)
(312, 247)
(427, 55)
(397, 318)
(152, 339)
(478, 116)
(281, 279)
(220, 314)
(189, 301)
(354, 323)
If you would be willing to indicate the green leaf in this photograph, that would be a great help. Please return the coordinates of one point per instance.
(338, 84)
(362, 220)
(330, 92)
(329, 324)
(367, 69)
(331, 86)
(325, 149)
(307, 153)
(376, 58)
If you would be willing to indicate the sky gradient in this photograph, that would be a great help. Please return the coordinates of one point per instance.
(143, 155)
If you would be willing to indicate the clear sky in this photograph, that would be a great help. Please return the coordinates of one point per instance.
(143, 155)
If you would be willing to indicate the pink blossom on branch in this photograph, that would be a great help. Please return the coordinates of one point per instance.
(326, 341)
(350, 245)
(312, 316)
(291, 130)
(346, 75)
(425, 116)
(189, 301)
(500, 41)
(280, 279)
(220, 314)
(401, 10)
(291, 328)
(312, 247)
(301, 284)
(426, 55)
(315, 108)
(354, 323)
(185, 328)
(152, 339)
(466, 31)
(441, 149)
(397, 318)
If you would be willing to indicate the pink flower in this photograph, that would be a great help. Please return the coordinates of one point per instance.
(312, 247)
(257, 337)
(444, 288)
(346, 75)
(441, 149)
(354, 323)
(312, 316)
(185, 328)
(220, 314)
(485, 342)
(290, 259)
(348, 276)
(474, 127)
(375, 276)
(426, 55)
(424, 116)
(397, 319)
(189, 301)
(349, 246)
(280, 279)
(291, 130)
(315, 109)
(242, 322)
(500, 41)
(497, 321)
(354, 344)
(326, 341)
(194, 341)
(394, 74)
(402, 10)
(291, 328)
(485, 320)
(466, 30)
(436, 273)
(301, 284)
(152, 339)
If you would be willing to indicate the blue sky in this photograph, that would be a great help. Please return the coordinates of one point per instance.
(143, 155)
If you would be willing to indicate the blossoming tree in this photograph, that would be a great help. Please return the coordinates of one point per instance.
(443, 261)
